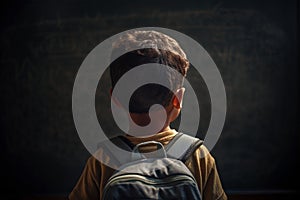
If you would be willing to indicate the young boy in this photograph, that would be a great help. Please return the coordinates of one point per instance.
(96, 174)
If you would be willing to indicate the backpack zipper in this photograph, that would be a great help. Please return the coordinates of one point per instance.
(147, 180)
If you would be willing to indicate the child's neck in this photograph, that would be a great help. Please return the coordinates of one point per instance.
(144, 120)
(145, 136)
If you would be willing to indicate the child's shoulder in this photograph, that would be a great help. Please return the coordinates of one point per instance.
(202, 156)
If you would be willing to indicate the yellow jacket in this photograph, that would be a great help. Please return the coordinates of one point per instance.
(95, 174)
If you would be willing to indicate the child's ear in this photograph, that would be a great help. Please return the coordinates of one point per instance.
(178, 98)
(110, 92)
(114, 99)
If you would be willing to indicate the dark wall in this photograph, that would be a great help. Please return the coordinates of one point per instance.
(43, 43)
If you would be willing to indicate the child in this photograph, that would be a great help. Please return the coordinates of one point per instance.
(166, 51)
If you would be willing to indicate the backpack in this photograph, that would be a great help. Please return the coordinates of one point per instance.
(162, 175)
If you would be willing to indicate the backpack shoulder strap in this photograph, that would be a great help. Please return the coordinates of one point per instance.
(182, 146)
(115, 153)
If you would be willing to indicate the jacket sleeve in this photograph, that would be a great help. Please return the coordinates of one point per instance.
(213, 188)
(88, 184)
(203, 167)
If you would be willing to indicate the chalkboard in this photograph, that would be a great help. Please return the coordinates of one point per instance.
(255, 51)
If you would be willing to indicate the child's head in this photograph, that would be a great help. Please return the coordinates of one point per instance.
(164, 50)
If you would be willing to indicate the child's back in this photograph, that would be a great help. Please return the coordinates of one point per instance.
(171, 65)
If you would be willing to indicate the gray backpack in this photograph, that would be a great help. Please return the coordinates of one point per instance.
(162, 175)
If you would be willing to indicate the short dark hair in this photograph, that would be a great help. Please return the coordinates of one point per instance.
(165, 51)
